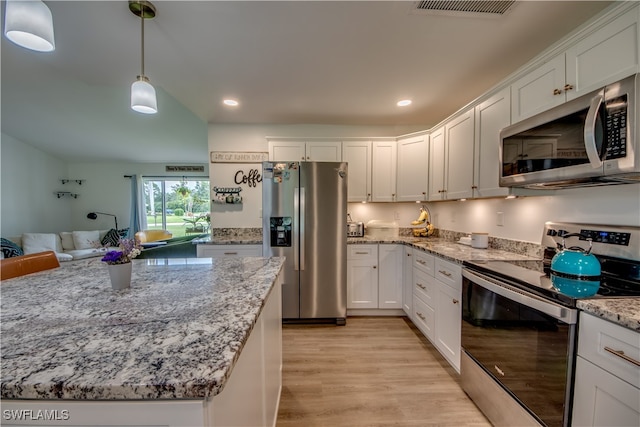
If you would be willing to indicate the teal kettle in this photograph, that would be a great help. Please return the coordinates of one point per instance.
(575, 262)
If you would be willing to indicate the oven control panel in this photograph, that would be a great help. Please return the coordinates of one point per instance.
(610, 237)
(614, 241)
(596, 236)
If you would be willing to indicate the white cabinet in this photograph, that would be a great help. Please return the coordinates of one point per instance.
(362, 276)
(451, 159)
(357, 154)
(226, 251)
(437, 294)
(407, 281)
(383, 171)
(424, 293)
(448, 310)
(413, 168)
(305, 150)
(390, 276)
(491, 116)
(608, 54)
(436, 165)
(459, 156)
(374, 277)
(607, 384)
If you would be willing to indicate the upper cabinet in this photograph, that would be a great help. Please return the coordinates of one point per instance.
(413, 168)
(357, 154)
(606, 55)
(436, 164)
(451, 159)
(383, 171)
(305, 151)
(491, 116)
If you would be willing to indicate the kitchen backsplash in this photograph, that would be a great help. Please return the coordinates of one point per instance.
(515, 246)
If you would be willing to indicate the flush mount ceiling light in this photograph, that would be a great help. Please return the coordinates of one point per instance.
(143, 95)
(29, 24)
(231, 102)
(404, 103)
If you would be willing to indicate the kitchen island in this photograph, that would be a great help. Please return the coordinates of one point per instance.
(178, 348)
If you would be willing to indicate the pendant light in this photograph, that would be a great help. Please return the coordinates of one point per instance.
(143, 95)
(28, 23)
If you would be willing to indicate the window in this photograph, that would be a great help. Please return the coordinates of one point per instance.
(179, 206)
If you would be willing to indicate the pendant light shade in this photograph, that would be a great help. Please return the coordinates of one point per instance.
(143, 96)
(28, 23)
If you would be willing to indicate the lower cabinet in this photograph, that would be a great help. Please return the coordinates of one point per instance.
(436, 303)
(374, 277)
(607, 380)
(224, 251)
(407, 281)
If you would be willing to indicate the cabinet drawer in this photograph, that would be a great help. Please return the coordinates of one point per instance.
(423, 286)
(225, 251)
(356, 252)
(448, 273)
(423, 261)
(610, 346)
(423, 317)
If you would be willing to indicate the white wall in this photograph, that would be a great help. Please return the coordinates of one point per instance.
(29, 179)
(253, 138)
(523, 217)
(105, 189)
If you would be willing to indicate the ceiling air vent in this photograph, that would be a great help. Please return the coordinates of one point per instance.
(464, 8)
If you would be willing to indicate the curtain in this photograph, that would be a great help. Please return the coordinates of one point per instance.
(138, 217)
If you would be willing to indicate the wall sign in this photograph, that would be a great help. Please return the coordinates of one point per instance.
(238, 157)
(168, 168)
(252, 178)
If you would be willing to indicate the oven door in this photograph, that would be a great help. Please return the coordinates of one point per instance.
(522, 342)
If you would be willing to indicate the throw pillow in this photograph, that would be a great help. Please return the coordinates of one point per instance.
(67, 240)
(38, 242)
(112, 238)
(9, 248)
(86, 239)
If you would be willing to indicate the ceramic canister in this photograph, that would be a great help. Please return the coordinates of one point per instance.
(480, 240)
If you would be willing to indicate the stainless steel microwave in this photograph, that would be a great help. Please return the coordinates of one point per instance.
(591, 140)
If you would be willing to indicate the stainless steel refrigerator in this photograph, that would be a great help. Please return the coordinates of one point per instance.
(304, 218)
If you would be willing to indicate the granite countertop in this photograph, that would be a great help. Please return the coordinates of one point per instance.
(452, 251)
(229, 240)
(622, 311)
(175, 334)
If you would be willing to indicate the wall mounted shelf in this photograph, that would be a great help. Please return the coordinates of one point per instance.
(229, 195)
(62, 194)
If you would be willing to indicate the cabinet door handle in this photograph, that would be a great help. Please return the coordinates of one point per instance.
(421, 286)
(623, 356)
(557, 92)
(568, 87)
(408, 254)
(455, 301)
(444, 273)
(231, 253)
(420, 315)
(362, 253)
(375, 266)
(421, 262)
(474, 187)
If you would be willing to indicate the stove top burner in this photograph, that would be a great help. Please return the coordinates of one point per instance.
(535, 276)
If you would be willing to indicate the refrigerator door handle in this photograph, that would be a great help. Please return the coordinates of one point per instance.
(301, 216)
(296, 229)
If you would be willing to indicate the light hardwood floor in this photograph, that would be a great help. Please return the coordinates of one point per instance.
(375, 371)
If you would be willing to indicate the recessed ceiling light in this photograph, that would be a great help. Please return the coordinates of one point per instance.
(404, 103)
(231, 102)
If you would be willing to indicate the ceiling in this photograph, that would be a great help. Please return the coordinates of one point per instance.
(286, 62)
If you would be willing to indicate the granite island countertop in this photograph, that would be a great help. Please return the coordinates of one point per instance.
(175, 334)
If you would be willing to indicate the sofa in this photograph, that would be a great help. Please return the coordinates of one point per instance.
(67, 245)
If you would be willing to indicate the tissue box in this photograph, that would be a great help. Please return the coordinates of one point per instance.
(382, 229)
